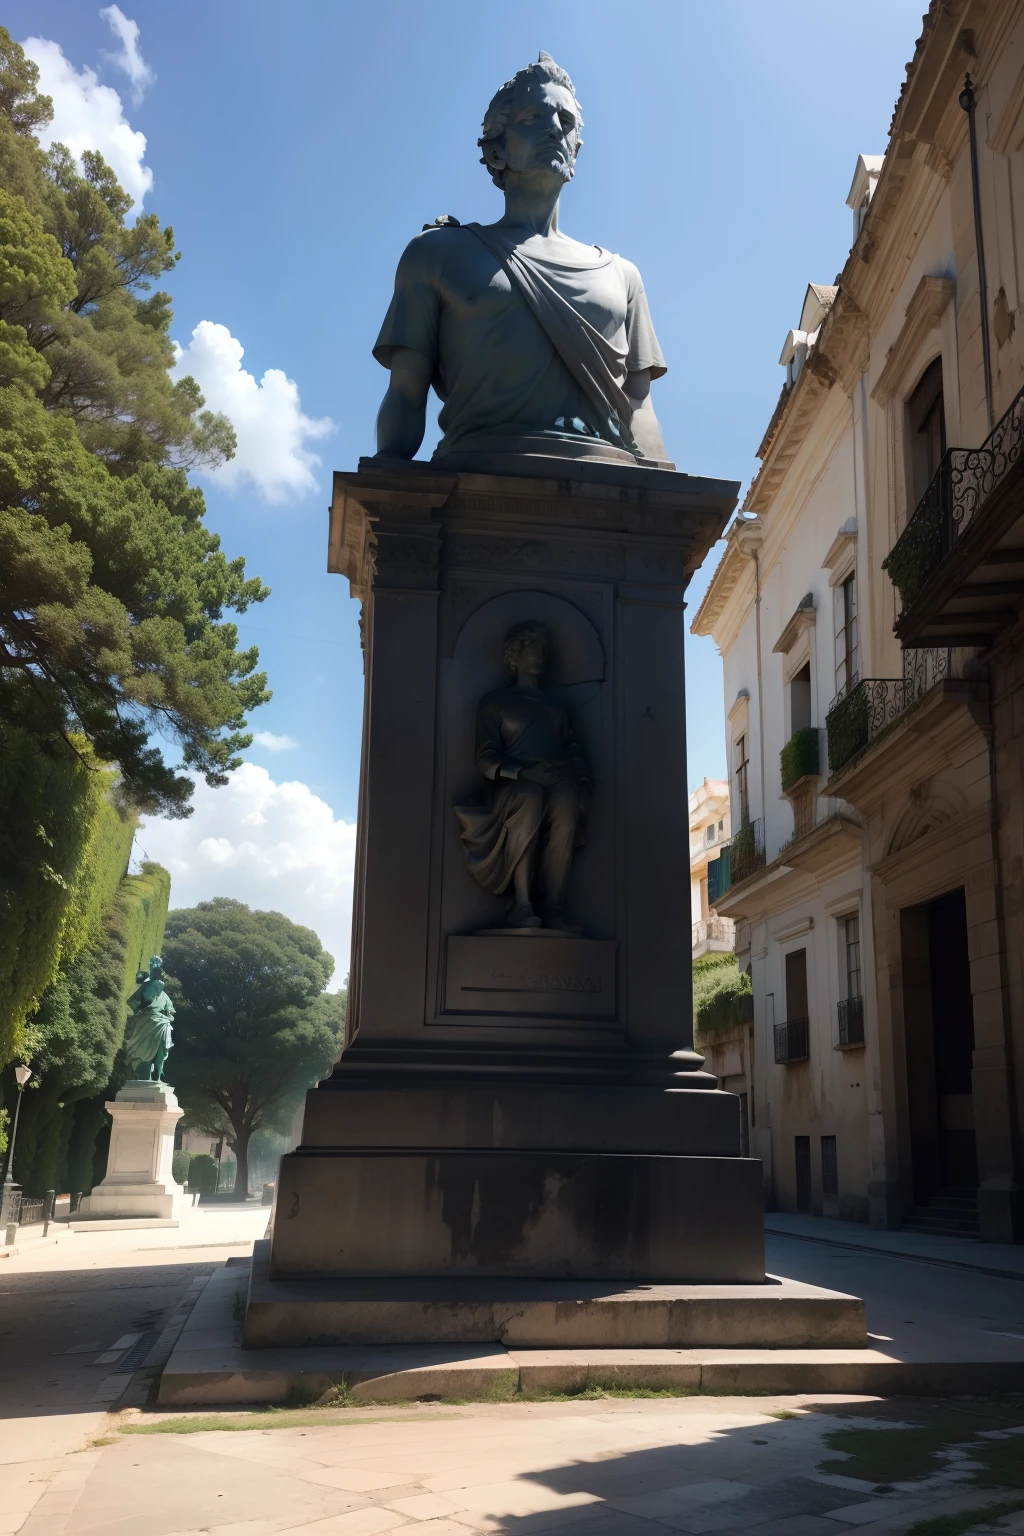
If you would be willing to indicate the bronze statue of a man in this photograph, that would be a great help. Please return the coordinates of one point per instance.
(536, 343)
(526, 746)
(148, 1037)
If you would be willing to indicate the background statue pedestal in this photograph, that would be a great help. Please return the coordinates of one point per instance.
(139, 1181)
(521, 1104)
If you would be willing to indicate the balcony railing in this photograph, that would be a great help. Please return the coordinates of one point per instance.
(851, 1022)
(792, 1041)
(714, 930)
(865, 712)
(747, 851)
(962, 484)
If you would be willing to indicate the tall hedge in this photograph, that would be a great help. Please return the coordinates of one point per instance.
(79, 1031)
(64, 846)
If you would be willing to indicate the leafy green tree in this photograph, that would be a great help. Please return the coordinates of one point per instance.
(112, 591)
(112, 595)
(254, 1026)
(105, 348)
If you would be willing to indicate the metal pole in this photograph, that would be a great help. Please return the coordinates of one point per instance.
(14, 1132)
(967, 101)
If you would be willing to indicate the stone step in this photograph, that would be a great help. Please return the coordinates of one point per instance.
(540, 1314)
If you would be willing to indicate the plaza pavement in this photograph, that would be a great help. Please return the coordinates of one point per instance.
(79, 1317)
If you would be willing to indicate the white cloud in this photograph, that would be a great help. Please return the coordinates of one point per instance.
(272, 430)
(88, 115)
(274, 743)
(274, 846)
(128, 58)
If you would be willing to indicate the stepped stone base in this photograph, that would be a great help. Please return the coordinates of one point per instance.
(209, 1366)
(545, 1314)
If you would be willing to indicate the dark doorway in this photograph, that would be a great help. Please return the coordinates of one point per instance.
(803, 1174)
(939, 1027)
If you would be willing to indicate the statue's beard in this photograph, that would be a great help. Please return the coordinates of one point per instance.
(565, 170)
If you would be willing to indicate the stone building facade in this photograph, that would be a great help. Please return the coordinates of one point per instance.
(709, 830)
(867, 608)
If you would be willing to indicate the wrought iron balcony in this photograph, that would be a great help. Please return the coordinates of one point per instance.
(860, 715)
(792, 1041)
(958, 495)
(851, 1022)
(747, 851)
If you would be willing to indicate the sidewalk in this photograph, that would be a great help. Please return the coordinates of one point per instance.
(1004, 1260)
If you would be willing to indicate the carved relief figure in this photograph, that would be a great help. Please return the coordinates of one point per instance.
(522, 842)
(535, 342)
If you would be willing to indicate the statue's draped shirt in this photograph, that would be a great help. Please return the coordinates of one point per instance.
(495, 366)
(149, 1031)
(515, 727)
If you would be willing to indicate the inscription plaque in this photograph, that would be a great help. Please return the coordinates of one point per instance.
(551, 975)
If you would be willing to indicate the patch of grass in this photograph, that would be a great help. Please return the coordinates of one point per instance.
(1002, 1462)
(889, 1453)
(238, 1307)
(956, 1525)
(892, 1452)
(261, 1418)
(783, 1413)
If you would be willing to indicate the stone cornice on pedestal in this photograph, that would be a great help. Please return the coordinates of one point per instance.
(385, 518)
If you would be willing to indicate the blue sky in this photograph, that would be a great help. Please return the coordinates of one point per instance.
(295, 149)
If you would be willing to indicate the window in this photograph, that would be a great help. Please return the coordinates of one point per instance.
(829, 1168)
(800, 700)
(796, 985)
(709, 833)
(721, 824)
(847, 661)
(926, 423)
(850, 936)
(741, 766)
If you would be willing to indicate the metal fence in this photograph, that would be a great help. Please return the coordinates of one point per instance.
(747, 851)
(859, 716)
(851, 1021)
(960, 487)
(792, 1041)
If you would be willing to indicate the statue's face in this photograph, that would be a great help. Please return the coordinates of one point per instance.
(542, 132)
(532, 655)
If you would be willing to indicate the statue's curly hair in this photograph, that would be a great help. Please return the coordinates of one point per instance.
(516, 637)
(496, 116)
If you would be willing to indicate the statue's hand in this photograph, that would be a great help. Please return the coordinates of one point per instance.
(546, 774)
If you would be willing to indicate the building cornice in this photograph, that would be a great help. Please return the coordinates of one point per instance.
(728, 573)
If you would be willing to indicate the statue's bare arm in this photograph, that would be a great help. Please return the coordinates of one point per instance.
(403, 413)
(646, 431)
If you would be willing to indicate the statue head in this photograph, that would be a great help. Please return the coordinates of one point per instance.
(526, 648)
(156, 965)
(533, 124)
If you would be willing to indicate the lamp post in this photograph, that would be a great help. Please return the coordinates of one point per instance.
(22, 1076)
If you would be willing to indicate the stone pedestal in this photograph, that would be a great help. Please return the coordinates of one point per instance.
(521, 1103)
(139, 1181)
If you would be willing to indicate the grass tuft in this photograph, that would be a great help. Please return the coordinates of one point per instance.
(966, 1520)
